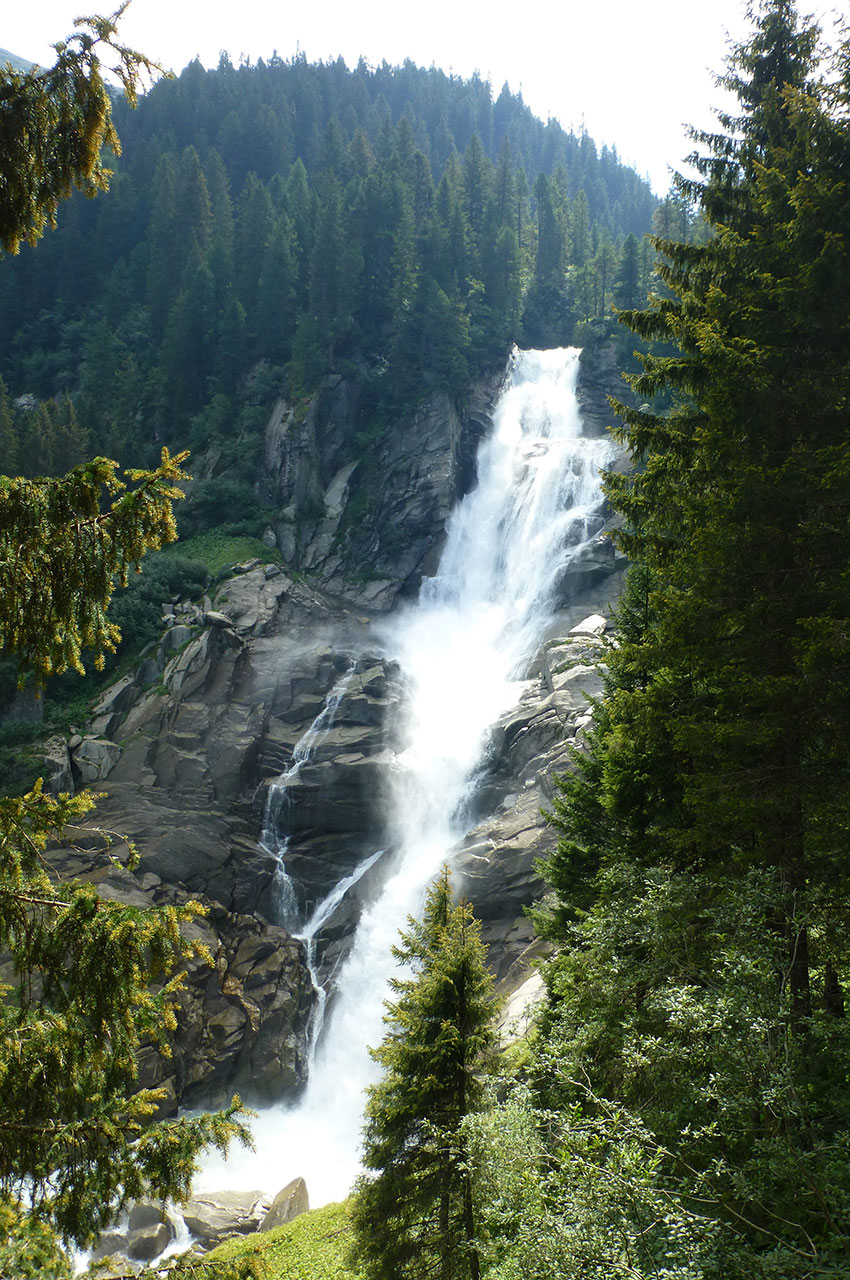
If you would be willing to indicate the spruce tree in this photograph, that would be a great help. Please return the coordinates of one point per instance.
(736, 507)
(85, 981)
(413, 1212)
(700, 880)
(9, 444)
(55, 124)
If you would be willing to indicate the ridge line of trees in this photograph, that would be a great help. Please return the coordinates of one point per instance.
(268, 225)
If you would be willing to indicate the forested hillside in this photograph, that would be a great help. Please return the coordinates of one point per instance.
(677, 1106)
(269, 224)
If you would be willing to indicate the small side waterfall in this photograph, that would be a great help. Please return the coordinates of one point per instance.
(274, 837)
(463, 648)
(307, 935)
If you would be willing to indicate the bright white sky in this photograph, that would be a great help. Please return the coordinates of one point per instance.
(636, 71)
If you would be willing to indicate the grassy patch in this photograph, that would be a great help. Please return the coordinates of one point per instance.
(312, 1247)
(219, 551)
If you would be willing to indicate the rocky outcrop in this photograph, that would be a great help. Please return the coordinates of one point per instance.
(210, 1218)
(183, 754)
(599, 378)
(242, 1022)
(289, 1202)
(366, 517)
(528, 748)
(214, 1217)
(261, 728)
(147, 1232)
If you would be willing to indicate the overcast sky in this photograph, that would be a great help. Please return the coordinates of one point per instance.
(635, 71)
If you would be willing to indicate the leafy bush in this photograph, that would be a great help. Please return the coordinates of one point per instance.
(138, 609)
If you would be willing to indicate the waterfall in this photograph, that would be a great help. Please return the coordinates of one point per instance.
(274, 837)
(307, 935)
(463, 649)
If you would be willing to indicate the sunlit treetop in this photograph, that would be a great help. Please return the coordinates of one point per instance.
(55, 124)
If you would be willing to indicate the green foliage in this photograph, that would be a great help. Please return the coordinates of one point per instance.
(676, 999)
(699, 886)
(413, 1212)
(28, 1248)
(85, 982)
(578, 1192)
(54, 126)
(219, 501)
(20, 761)
(89, 981)
(60, 554)
(137, 610)
(220, 551)
(315, 1246)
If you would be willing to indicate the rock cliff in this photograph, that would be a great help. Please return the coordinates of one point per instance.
(238, 692)
(367, 528)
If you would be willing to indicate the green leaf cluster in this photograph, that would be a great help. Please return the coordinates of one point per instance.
(87, 981)
(61, 554)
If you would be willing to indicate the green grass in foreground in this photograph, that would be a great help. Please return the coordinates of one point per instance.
(219, 551)
(312, 1247)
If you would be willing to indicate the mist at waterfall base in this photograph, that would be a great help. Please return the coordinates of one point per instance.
(463, 648)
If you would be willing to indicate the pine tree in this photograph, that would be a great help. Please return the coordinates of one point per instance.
(604, 265)
(9, 445)
(38, 431)
(627, 283)
(737, 506)
(413, 1213)
(87, 980)
(65, 113)
(704, 986)
(91, 979)
(71, 440)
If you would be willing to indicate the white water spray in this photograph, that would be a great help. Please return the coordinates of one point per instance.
(462, 648)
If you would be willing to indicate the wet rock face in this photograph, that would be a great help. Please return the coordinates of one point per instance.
(368, 522)
(149, 1230)
(528, 748)
(211, 1218)
(187, 750)
(242, 1023)
(331, 808)
(599, 378)
(209, 759)
(242, 1015)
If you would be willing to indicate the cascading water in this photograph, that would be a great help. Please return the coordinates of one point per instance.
(307, 934)
(462, 648)
(274, 837)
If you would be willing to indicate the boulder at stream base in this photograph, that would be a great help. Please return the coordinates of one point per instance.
(213, 1217)
(287, 1204)
(148, 1232)
(216, 1215)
